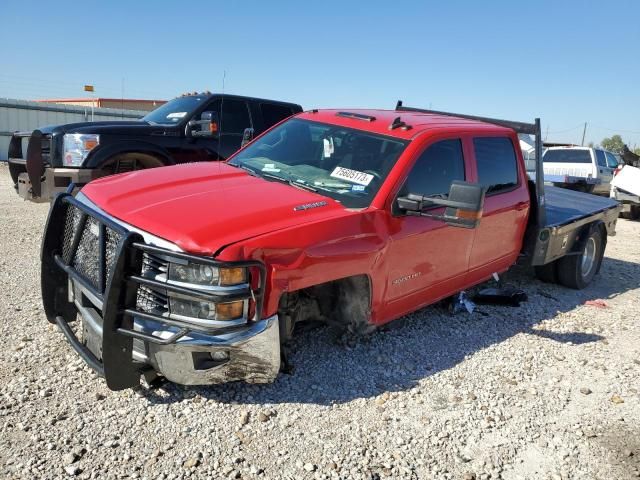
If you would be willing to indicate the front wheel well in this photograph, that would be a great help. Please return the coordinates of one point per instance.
(344, 303)
(131, 161)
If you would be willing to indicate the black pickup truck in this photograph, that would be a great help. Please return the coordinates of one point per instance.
(190, 128)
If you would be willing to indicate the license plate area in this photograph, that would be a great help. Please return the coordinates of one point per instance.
(92, 331)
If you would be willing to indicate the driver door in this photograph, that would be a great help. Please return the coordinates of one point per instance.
(233, 117)
(427, 259)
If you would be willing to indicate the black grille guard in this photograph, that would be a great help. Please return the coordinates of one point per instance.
(118, 292)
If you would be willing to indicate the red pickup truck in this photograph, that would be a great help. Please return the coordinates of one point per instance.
(198, 273)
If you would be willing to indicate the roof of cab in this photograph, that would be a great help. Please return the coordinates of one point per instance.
(382, 119)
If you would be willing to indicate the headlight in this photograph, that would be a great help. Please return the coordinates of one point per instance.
(206, 275)
(77, 146)
(203, 277)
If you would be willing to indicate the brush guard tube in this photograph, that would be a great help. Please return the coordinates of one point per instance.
(124, 342)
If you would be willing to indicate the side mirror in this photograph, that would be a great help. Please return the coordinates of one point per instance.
(464, 205)
(207, 126)
(247, 136)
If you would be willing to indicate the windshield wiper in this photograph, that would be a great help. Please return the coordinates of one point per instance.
(302, 185)
(289, 180)
(249, 170)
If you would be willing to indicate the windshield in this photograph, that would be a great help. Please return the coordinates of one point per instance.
(566, 156)
(175, 110)
(344, 164)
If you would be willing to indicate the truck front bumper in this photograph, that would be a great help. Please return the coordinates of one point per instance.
(95, 268)
(52, 182)
(250, 354)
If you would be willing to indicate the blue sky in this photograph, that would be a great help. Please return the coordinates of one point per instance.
(567, 62)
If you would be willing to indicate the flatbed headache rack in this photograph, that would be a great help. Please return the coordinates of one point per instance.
(519, 127)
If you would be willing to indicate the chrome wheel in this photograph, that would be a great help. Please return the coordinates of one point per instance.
(589, 257)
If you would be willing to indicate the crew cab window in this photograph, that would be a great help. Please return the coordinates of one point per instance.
(497, 164)
(438, 166)
(612, 161)
(600, 158)
(234, 116)
(272, 114)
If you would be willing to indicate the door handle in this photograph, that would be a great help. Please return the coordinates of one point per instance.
(521, 206)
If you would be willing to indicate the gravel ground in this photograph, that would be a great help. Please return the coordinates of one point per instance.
(547, 390)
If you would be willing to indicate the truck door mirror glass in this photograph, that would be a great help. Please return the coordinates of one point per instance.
(207, 126)
(464, 205)
(247, 136)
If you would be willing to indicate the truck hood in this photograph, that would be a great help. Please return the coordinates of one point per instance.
(94, 127)
(204, 207)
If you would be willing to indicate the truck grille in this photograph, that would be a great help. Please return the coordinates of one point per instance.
(153, 300)
(87, 259)
(46, 149)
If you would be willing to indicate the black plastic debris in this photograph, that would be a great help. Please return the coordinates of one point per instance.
(509, 296)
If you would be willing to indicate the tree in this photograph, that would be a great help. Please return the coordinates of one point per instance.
(637, 151)
(613, 144)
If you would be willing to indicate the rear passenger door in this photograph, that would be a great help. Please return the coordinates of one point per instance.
(498, 238)
(605, 172)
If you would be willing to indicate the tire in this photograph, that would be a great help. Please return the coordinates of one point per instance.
(547, 273)
(577, 271)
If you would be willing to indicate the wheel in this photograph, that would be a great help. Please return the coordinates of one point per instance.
(547, 273)
(577, 271)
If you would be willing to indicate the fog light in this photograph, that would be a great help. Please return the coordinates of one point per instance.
(192, 308)
(232, 276)
(229, 311)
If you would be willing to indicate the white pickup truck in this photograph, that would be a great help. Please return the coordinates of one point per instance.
(585, 169)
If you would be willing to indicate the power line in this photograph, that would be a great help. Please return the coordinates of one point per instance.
(568, 129)
(617, 130)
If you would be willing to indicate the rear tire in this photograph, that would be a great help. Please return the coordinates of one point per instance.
(547, 273)
(577, 271)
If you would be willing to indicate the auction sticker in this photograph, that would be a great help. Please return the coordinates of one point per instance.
(353, 176)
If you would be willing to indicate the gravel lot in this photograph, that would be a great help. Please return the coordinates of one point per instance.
(547, 390)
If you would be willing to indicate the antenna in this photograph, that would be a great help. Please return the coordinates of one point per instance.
(122, 97)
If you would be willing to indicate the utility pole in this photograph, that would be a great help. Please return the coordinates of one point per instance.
(584, 132)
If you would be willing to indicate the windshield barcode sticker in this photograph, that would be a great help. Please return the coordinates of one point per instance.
(353, 176)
